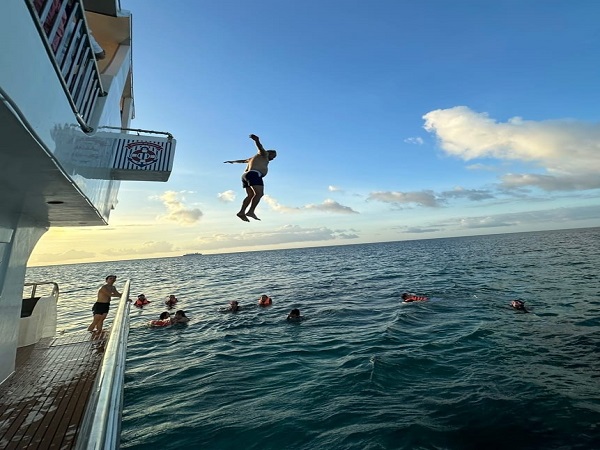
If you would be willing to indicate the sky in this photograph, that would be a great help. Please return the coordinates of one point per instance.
(393, 120)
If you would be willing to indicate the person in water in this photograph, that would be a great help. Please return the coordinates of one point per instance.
(294, 315)
(180, 317)
(234, 306)
(265, 300)
(163, 320)
(519, 305)
(407, 298)
(102, 305)
(141, 301)
(170, 302)
(252, 178)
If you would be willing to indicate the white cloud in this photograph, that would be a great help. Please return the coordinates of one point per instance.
(176, 209)
(569, 151)
(553, 218)
(430, 198)
(332, 206)
(227, 196)
(414, 140)
(63, 257)
(471, 194)
(480, 166)
(276, 206)
(334, 189)
(328, 205)
(147, 248)
(288, 234)
(422, 198)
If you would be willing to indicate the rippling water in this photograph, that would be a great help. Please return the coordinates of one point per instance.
(363, 371)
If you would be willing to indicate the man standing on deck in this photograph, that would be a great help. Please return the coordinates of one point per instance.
(100, 308)
(256, 170)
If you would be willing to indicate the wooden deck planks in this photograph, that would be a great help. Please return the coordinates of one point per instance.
(42, 404)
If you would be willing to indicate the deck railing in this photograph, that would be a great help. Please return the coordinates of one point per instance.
(63, 26)
(101, 428)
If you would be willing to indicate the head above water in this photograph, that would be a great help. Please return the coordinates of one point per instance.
(180, 313)
(164, 315)
(141, 296)
(111, 277)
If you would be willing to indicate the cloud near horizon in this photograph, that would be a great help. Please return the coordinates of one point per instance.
(556, 216)
(287, 234)
(568, 150)
(146, 248)
(329, 206)
(176, 209)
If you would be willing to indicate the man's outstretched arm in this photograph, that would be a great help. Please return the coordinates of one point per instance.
(236, 161)
(259, 146)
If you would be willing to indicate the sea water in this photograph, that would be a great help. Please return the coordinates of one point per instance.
(363, 370)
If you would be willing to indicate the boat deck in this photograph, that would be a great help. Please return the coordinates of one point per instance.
(42, 404)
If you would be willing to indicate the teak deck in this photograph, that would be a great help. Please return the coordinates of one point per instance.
(43, 402)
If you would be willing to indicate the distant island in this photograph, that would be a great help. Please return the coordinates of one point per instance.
(193, 254)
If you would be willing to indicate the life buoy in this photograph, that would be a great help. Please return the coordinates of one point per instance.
(415, 298)
(160, 323)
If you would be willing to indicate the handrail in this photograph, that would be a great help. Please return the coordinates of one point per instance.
(101, 428)
(34, 286)
(70, 53)
(137, 130)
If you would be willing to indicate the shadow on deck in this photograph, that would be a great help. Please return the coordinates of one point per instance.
(42, 404)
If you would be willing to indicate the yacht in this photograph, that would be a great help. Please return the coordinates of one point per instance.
(66, 105)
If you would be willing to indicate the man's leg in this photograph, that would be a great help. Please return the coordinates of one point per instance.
(258, 193)
(245, 203)
(94, 322)
(101, 321)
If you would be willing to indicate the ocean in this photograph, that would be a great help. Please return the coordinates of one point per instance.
(362, 370)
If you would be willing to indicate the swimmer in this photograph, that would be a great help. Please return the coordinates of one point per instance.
(294, 315)
(265, 300)
(407, 298)
(519, 305)
(234, 306)
(180, 317)
(141, 301)
(170, 302)
(164, 320)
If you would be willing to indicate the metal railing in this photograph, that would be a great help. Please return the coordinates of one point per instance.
(64, 29)
(101, 427)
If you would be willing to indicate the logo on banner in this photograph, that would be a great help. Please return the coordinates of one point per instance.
(143, 154)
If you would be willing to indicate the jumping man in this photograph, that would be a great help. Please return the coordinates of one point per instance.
(252, 178)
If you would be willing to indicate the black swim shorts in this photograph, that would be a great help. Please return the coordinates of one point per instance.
(252, 178)
(100, 308)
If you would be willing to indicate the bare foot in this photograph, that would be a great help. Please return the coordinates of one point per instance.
(252, 215)
(242, 216)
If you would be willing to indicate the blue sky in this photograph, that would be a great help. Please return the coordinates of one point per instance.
(392, 120)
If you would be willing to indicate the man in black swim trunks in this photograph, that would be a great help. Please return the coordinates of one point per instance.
(252, 178)
(100, 308)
